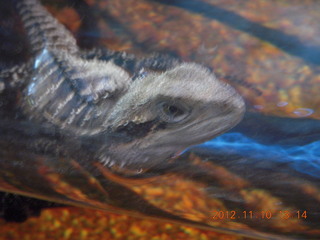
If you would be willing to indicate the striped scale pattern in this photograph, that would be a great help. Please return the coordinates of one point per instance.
(43, 30)
(70, 92)
(60, 86)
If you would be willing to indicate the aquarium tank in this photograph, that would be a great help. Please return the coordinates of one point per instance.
(159, 119)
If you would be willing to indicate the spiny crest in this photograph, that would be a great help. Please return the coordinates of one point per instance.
(43, 30)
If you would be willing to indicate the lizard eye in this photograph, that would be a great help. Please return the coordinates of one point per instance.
(172, 113)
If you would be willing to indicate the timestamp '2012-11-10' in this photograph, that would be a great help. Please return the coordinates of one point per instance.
(267, 214)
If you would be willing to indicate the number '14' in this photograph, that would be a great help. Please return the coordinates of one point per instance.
(302, 214)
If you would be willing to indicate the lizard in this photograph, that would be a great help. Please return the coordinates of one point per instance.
(122, 111)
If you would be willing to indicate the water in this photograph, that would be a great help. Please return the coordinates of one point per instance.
(305, 158)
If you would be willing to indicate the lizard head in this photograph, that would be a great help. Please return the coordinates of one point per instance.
(164, 113)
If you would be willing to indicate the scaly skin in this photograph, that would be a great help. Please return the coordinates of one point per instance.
(136, 118)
